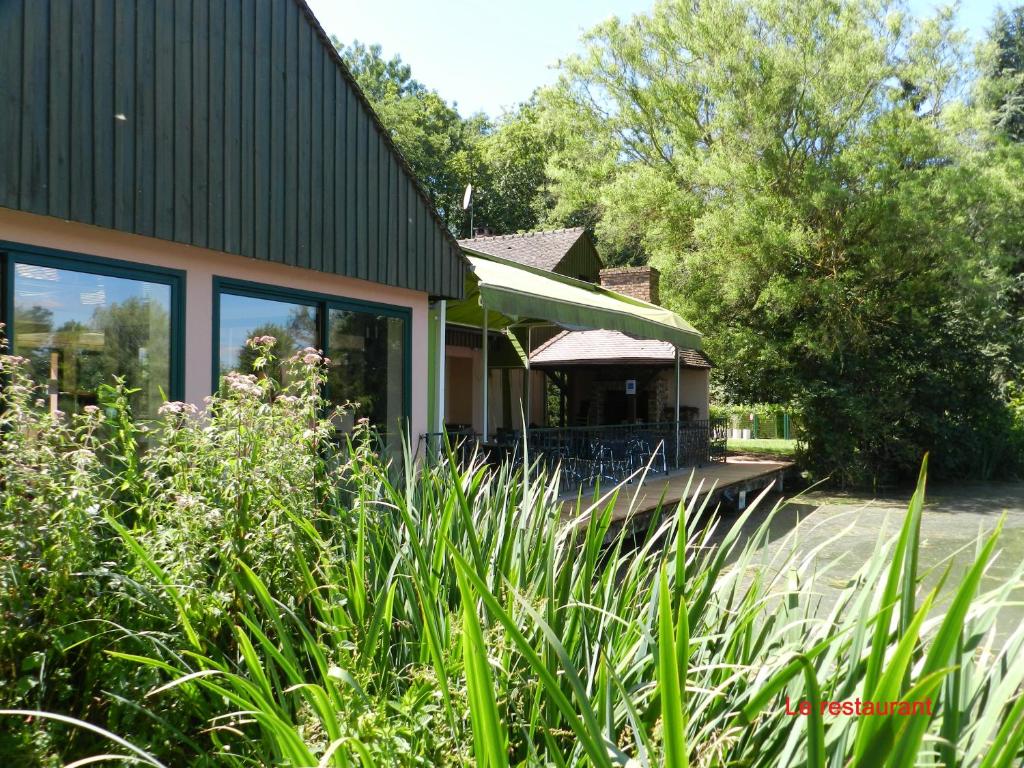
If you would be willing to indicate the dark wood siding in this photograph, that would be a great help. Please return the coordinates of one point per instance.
(581, 261)
(227, 124)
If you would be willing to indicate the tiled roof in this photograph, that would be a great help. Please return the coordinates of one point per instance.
(611, 347)
(543, 250)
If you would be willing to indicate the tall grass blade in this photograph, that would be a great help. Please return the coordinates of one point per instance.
(140, 754)
(589, 735)
(489, 741)
(943, 645)
(672, 679)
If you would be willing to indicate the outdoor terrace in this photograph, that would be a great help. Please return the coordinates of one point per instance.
(589, 456)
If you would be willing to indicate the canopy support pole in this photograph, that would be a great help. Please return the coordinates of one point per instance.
(677, 407)
(526, 386)
(487, 375)
(442, 332)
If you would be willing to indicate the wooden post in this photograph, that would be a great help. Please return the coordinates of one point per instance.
(54, 383)
(526, 384)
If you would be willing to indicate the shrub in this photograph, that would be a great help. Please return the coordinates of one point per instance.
(236, 587)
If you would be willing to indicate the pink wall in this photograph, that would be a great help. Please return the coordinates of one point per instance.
(475, 386)
(472, 388)
(201, 266)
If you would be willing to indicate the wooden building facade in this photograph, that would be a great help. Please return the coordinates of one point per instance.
(197, 150)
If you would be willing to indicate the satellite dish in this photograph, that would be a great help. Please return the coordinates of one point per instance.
(467, 198)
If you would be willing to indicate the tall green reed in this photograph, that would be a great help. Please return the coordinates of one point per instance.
(275, 596)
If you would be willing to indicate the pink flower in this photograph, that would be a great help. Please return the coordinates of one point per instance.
(309, 356)
(243, 384)
(14, 361)
(261, 341)
(177, 408)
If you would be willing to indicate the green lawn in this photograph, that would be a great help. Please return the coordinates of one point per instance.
(775, 446)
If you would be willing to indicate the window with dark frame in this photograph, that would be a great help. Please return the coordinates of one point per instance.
(81, 320)
(242, 317)
(368, 346)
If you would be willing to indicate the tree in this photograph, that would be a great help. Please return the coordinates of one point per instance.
(135, 346)
(822, 203)
(504, 160)
(34, 321)
(1000, 90)
(439, 145)
(511, 181)
(1003, 67)
(300, 331)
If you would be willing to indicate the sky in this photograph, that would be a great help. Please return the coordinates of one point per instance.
(489, 55)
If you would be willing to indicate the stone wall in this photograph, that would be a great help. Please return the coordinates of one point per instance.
(639, 282)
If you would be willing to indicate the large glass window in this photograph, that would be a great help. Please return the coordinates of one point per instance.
(80, 329)
(367, 353)
(367, 346)
(245, 317)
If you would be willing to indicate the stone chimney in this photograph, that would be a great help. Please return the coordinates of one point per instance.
(638, 282)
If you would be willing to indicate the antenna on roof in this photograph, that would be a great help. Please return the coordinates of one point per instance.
(467, 205)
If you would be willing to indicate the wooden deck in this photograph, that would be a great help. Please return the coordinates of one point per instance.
(737, 477)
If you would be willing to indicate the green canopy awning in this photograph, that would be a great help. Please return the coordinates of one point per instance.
(516, 294)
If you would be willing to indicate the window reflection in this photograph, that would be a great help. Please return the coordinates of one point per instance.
(367, 354)
(245, 317)
(79, 330)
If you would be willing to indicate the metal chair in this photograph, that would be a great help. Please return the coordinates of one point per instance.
(642, 454)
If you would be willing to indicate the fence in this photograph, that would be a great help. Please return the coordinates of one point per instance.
(757, 424)
(595, 454)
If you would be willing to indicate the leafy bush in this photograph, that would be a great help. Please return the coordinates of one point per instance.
(1015, 413)
(870, 430)
(237, 588)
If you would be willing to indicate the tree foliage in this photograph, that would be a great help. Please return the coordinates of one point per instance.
(823, 202)
(1001, 92)
(510, 180)
(503, 160)
(1003, 65)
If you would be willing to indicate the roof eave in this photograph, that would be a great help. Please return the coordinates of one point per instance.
(384, 132)
(589, 363)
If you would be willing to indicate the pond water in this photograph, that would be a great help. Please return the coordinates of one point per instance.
(846, 529)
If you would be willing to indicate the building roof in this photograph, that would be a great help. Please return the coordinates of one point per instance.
(502, 294)
(229, 126)
(543, 250)
(599, 347)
